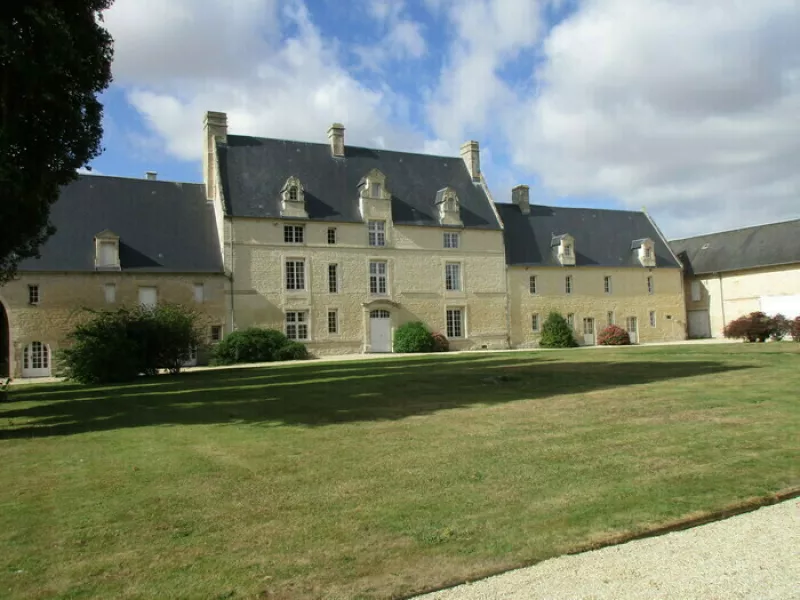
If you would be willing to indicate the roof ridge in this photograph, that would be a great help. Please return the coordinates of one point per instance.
(735, 229)
(131, 178)
(614, 210)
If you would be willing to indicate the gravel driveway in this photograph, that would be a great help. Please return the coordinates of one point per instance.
(754, 555)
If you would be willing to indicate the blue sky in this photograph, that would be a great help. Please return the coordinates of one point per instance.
(689, 109)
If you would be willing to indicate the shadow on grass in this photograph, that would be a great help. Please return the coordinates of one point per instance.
(317, 394)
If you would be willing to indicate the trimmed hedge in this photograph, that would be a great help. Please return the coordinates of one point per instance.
(614, 335)
(413, 337)
(253, 345)
(556, 332)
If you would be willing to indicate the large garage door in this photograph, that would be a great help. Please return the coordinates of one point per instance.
(788, 306)
(699, 324)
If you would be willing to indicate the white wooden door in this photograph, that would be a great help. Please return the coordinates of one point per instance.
(588, 331)
(699, 324)
(380, 331)
(632, 324)
(36, 360)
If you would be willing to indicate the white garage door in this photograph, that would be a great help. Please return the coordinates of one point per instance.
(788, 306)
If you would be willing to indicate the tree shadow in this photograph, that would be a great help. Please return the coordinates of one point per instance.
(317, 394)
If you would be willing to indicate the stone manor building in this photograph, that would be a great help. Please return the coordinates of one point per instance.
(338, 246)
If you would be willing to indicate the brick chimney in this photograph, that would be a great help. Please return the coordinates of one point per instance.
(215, 129)
(471, 153)
(520, 195)
(336, 138)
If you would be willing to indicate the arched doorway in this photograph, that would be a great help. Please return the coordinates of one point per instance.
(5, 343)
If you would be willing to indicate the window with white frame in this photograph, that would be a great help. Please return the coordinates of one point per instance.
(568, 250)
(297, 325)
(451, 239)
(33, 295)
(696, 292)
(294, 234)
(199, 292)
(36, 356)
(571, 320)
(568, 284)
(110, 291)
(652, 318)
(333, 321)
(331, 235)
(293, 193)
(452, 277)
(107, 254)
(333, 278)
(215, 334)
(377, 278)
(650, 285)
(377, 233)
(648, 253)
(535, 322)
(607, 284)
(455, 323)
(532, 285)
(148, 297)
(295, 274)
(610, 318)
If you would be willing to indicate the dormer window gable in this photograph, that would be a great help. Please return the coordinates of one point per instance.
(373, 195)
(106, 251)
(644, 252)
(449, 207)
(564, 249)
(293, 200)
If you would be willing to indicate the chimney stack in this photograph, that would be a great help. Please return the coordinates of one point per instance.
(520, 195)
(151, 175)
(471, 153)
(215, 129)
(336, 138)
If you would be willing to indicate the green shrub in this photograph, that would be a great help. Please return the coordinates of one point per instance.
(293, 351)
(413, 337)
(440, 342)
(556, 332)
(120, 345)
(250, 345)
(614, 336)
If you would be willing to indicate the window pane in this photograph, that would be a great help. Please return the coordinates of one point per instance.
(454, 323)
(199, 292)
(333, 321)
(532, 284)
(332, 235)
(535, 322)
(452, 274)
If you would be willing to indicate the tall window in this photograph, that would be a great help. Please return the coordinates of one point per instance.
(568, 284)
(295, 274)
(571, 320)
(297, 325)
(293, 234)
(696, 295)
(451, 239)
(532, 285)
(33, 294)
(333, 278)
(452, 277)
(648, 252)
(199, 292)
(607, 284)
(377, 278)
(534, 322)
(110, 291)
(331, 235)
(652, 318)
(148, 297)
(377, 233)
(333, 321)
(610, 317)
(36, 356)
(293, 193)
(455, 323)
(650, 285)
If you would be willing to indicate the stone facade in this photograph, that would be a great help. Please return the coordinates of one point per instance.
(628, 296)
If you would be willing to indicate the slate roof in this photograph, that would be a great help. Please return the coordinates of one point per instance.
(253, 171)
(603, 238)
(748, 248)
(162, 226)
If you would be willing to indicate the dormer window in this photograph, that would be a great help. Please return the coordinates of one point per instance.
(375, 189)
(374, 196)
(106, 251)
(644, 252)
(564, 249)
(449, 206)
(293, 201)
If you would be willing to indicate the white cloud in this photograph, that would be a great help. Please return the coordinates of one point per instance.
(403, 37)
(689, 108)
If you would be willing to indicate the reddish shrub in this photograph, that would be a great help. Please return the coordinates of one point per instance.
(755, 327)
(781, 327)
(440, 343)
(796, 329)
(614, 336)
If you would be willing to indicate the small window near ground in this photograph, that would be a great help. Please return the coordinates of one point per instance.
(568, 284)
(33, 295)
(652, 318)
(571, 320)
(455, 323)
(199, 292)
(650, 285)
(293, 234)
(333, 321)
(534, 322)
(451, 239)
(297, 325)
(111, 293)
(331, 235)
(607, 284)
(215, 335)
(532, 287)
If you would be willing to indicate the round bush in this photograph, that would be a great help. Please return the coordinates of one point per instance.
(293, 351)
(440, 342)
(250, 345)
(755, 327)
(614, 336)
(413, 337)
(780, 327)
(556, 332)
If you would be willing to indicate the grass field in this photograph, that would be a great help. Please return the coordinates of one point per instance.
(375, 479)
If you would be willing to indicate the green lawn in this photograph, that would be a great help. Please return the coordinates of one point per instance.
(379, 478)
